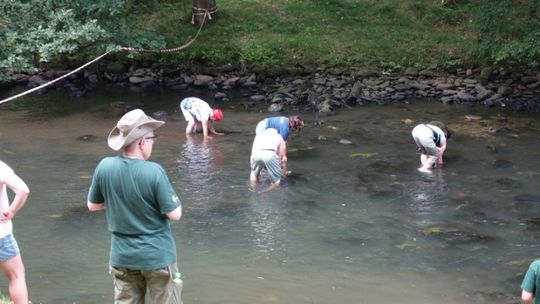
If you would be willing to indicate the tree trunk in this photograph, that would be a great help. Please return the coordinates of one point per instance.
(202, 11)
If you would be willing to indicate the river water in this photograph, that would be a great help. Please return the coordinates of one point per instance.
(357, 223)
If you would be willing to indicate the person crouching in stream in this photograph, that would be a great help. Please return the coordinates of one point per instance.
(268, 151)
(431, 140)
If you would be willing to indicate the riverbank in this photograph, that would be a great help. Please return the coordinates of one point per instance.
(321, 89)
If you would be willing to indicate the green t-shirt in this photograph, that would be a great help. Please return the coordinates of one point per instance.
(137, 195)
(531, 281)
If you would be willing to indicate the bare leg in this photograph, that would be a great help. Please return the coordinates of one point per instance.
(253, 178)
(190, 126)
(425, 167)
(14, 269)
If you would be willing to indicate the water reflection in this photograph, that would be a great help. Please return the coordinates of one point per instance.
(266, 220)
(199, 167)
(335, 231)
(429, 193)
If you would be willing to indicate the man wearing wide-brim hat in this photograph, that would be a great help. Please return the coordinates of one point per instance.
(139, 203)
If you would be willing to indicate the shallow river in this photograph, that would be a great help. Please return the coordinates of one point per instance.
(357, 223)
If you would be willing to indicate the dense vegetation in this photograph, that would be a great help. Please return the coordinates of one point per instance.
(389, 34)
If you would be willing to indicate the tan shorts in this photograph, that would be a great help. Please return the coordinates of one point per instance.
(130, 285)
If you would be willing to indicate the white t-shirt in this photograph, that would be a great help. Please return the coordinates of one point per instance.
(268, 139)
(6, 228)
(199, 109)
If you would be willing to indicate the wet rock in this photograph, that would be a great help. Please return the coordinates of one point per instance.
(528, 79)
(302, 153)
(507, 181)
(275, 107)
(345, 142)
(505, 91)
(502, 163)
(533, 224)
(220, 96)
(87, 137)
(160, 115)
(466, 96)
(455, 234)
(257, 98)
(527, 198)
(137, 80)
(202, 80)
(325, 108)
(388, 167)
(492, 149)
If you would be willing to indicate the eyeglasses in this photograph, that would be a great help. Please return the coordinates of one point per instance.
(153, 138)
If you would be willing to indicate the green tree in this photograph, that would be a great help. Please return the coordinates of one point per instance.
(35, 32)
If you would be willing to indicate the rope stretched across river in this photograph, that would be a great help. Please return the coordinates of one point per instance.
(125, 49)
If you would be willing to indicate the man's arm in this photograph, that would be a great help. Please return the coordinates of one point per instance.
(282, 152)
(176, 214)
(95, 206)
(526, 297)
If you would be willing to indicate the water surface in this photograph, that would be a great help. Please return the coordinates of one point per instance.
(357, 223)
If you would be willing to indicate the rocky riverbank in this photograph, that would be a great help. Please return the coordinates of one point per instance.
(320, 88)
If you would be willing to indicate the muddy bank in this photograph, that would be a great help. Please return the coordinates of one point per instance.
(322, 89)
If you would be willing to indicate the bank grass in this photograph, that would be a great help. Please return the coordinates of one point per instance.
(338, 32)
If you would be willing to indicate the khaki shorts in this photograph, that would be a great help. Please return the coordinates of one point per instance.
(130, 285)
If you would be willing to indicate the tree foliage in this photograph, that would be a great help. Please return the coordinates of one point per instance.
(272, 33)
(36, 31)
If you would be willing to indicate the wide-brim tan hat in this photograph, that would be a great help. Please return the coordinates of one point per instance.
(133, 125)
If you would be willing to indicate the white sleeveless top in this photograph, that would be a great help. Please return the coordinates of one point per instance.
(6, 228)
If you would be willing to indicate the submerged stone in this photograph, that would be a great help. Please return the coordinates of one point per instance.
(507, 181)
(454, 234)
(87, 137)
(388, 167)
(527, 198)
(502, 163)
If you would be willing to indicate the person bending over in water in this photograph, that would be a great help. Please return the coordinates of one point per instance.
(431, 141)
(199, 115)
(283, 125)
(268, 151)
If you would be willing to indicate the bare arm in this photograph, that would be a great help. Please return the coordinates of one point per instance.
(176, 214)
(19, 187)
(213, 130)
(526, 297)
(282, 152)
(95, 206)
(441, 149)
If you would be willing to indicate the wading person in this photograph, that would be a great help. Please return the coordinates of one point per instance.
(531, 283)
(10, 257)
(139, 204)
(199, 115)
(431, 141)
(268, 151)
(283, 125)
